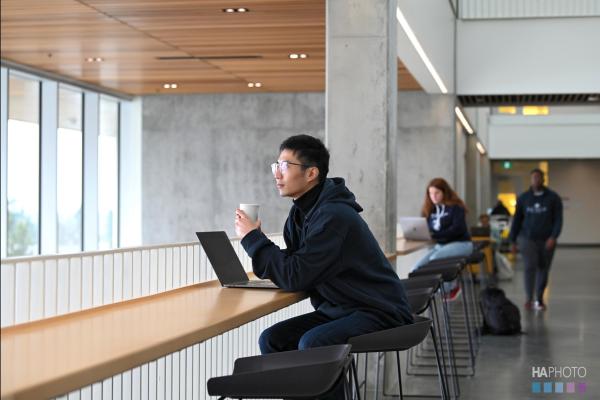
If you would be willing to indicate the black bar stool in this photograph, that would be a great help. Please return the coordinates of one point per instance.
(301, 374)
(451, 270)
(435, 284)
(396, 340)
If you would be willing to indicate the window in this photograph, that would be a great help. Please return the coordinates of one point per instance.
(69, 170)
(47, 204)
(23, 166)
(108, 174)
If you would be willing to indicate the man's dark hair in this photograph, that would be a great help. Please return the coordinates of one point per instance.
(310, 151)
(537, 171)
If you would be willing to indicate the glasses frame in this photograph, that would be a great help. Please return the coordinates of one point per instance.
(276, 166)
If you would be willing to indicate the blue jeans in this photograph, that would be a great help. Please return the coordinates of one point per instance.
(316, 329)
(441, 251)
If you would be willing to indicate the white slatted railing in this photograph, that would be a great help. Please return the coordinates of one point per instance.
(34, 288)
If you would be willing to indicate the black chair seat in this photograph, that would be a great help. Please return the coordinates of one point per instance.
(395, 339)
(474, 258)
(433, 281)
(449, 272)
(277, 375)
(419, 299)
(449, 260)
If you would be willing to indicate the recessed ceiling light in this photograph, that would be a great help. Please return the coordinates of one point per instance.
(258, 84)
(535, 110)
(231, 10)
(593, 98)
(254, 84)
(170, 86)
(295, 56)
(94, 59)
(250, 84)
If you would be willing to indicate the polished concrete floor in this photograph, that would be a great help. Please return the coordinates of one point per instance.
(567, 334)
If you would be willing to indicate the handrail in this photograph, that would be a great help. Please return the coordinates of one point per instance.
(39, 287)
(20, 259)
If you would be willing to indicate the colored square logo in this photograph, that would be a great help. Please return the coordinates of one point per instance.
(536, 387)
(581, 388)
(558, 387)
(570, 387)
(547, 387)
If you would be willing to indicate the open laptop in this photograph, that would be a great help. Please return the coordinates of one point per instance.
(414, 228)
(226, 263)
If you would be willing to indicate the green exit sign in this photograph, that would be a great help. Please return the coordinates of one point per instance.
(507, 164)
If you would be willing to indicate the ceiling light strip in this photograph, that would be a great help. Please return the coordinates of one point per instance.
(480, 148)
(415, 42)
(463, 120)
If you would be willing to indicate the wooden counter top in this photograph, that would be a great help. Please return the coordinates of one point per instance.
(54, 356)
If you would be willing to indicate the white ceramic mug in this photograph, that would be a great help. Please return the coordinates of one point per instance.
(251, 210)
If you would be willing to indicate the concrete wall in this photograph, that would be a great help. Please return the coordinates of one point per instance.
(425, 146)
(472, 156)
(204, 154)
(576, 181)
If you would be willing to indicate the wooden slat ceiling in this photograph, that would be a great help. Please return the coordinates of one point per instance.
(131, 35)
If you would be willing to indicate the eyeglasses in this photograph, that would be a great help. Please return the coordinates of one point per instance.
(283, 166)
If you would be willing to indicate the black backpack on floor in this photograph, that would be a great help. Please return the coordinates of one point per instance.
(500, 315)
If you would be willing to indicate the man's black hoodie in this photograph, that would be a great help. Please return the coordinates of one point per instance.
(332, 254)
(538, 216)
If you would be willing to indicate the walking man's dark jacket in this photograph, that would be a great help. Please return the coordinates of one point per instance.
(331, 254)
(537, 217)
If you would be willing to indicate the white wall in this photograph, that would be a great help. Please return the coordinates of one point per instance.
(528, 9)
(558, 55)
(576, 182)
(433, 24)
(544, 137)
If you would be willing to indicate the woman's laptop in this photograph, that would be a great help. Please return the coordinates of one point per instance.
(414, 228)
(226, 263)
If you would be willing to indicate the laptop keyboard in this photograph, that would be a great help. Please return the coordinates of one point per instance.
(255, 283)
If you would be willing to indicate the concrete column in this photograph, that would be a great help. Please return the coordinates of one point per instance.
(361, 101)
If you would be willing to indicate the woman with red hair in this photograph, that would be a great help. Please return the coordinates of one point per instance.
(445, 213)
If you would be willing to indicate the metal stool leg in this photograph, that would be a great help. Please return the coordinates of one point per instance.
(437, 357)
(468, 324)
(355, 375)
(399, 375)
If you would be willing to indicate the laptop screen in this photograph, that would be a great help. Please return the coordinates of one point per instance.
(223, 257)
